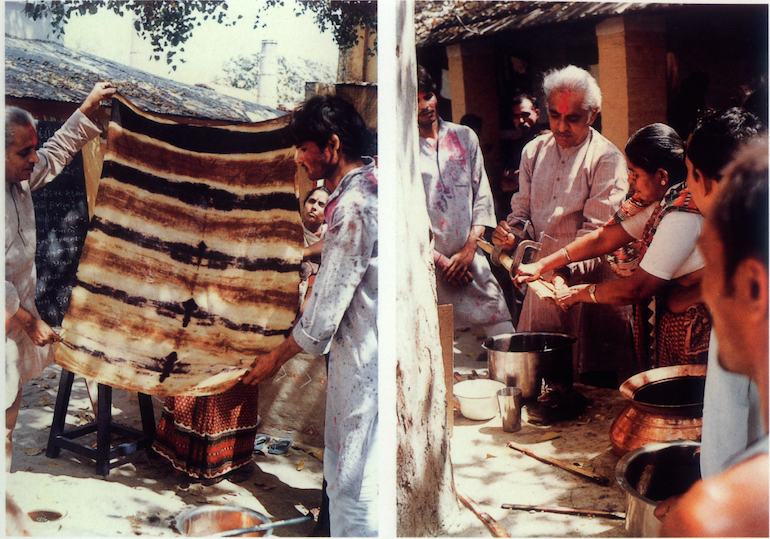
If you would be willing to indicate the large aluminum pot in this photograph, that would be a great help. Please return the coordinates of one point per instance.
(523, 359)
(653, 473)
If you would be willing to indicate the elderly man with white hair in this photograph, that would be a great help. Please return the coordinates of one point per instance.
(572, 181)
(27, 168)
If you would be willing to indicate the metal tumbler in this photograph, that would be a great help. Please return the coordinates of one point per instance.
(509, 399)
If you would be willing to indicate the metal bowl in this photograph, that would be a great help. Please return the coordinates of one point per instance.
(210, 519)
(478, 398)
(653, 473)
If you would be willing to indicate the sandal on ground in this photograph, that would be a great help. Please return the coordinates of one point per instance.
(260, 441)
(280, 446)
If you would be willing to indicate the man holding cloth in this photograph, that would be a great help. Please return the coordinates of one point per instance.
(341, 314)
(27, 337)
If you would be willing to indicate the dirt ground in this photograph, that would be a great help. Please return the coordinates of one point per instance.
(492, 474)
(139, 499)
(136, 498)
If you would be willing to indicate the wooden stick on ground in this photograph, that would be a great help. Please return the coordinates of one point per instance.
(490, 522)
(565, 510)
(561, 464)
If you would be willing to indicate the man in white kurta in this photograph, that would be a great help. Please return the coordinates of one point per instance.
(460, 206)
(341, 314)
(28, 338)
(572, 181)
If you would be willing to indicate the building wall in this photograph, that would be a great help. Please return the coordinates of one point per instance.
(632, 74)
(473, 90)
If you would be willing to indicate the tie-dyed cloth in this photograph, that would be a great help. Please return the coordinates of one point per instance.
(191, 264)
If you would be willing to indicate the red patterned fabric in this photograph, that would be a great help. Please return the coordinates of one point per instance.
(684, 338)
(625, 260)
(206, 437)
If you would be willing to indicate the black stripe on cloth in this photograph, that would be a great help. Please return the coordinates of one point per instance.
(193, 255)
(200, 139)
(176, 309)
(160, 363)
(198, 194)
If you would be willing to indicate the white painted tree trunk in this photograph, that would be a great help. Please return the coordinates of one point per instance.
(424, 486)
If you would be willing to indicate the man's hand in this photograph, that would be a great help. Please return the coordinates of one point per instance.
(40, 333)
(264, 367)
(267, 365)
(665, 506)
(91, 107)
(460, 279)
(459, 262)
(566, 296)
(503, 235)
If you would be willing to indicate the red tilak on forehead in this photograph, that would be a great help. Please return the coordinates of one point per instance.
(566, 95)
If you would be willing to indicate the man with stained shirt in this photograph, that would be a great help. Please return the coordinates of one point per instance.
(460, 207)
(572, 180)
(341, 315)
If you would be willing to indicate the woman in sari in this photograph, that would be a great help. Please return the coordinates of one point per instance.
(651, 243)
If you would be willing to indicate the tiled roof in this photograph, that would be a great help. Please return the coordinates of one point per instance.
(50, 71)
(451, 21)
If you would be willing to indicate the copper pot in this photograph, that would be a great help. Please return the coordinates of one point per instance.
(666, 404)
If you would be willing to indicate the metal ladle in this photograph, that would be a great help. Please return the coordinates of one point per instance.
(262, 527)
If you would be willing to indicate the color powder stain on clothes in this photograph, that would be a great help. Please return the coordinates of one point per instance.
(459, 198)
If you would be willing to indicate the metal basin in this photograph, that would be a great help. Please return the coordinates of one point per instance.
(210, 519)
(523, 359)
(651, 474)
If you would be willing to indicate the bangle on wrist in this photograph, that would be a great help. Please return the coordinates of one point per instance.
(592, 293)
(566, 255)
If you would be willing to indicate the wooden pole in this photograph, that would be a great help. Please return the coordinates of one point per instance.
(490, 522)
(565, 510)
(561, 464)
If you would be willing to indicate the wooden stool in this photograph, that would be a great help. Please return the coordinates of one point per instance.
(103, 426)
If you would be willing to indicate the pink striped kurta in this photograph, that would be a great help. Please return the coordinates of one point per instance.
(568, 193)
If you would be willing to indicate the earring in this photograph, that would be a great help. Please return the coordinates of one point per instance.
(663, 182)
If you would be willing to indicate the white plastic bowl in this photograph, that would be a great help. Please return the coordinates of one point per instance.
(478, 398)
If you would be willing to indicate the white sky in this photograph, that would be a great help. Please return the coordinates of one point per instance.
(109, 36)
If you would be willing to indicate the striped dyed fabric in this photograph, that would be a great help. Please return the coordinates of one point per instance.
(191, 264)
